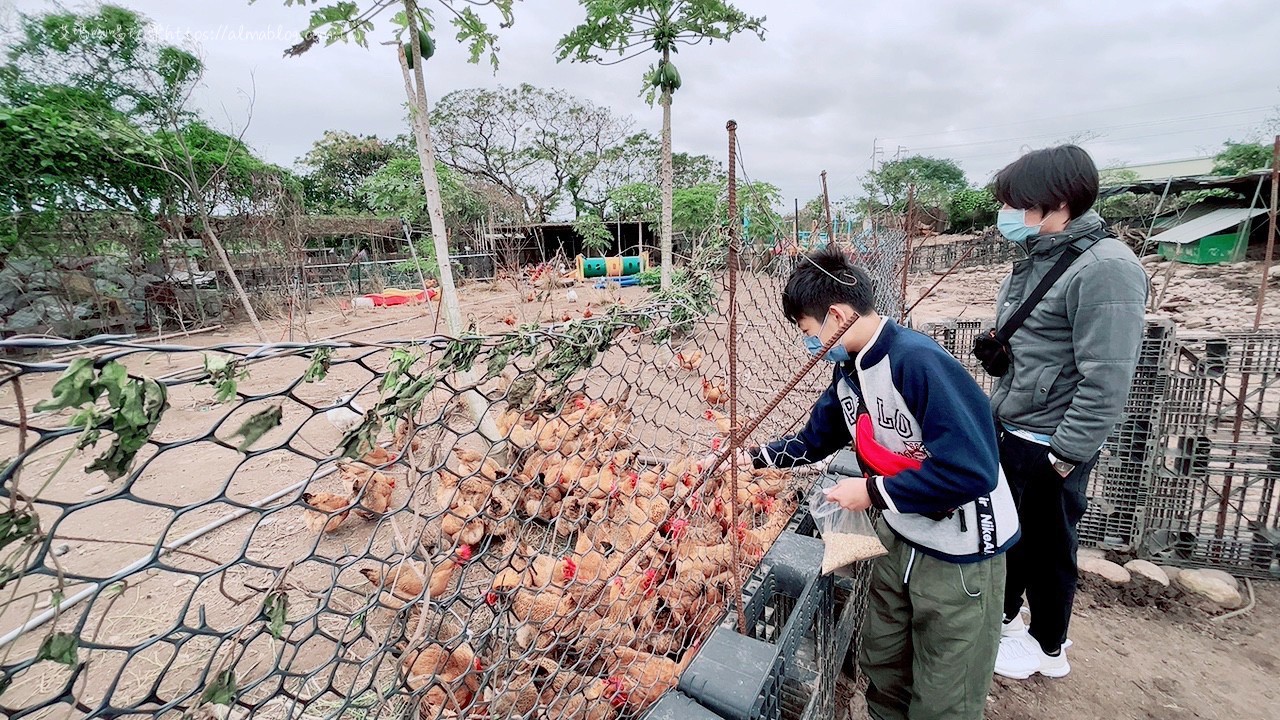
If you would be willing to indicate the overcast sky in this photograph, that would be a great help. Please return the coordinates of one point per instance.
(975, 80)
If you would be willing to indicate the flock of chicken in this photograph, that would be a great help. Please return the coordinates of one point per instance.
(614, 567)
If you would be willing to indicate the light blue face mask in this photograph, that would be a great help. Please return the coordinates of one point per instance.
(813, 343)
(1012, 223)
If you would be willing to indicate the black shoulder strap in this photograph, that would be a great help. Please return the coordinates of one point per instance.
(1069, 255)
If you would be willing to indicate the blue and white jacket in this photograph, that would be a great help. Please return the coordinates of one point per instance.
(923, 405)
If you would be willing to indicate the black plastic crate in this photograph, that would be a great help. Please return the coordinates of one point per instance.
(675, 705)
(777, 668)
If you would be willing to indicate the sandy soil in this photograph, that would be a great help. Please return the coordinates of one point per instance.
(1194, 297)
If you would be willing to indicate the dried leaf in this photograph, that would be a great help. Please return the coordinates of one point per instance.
(259, 424)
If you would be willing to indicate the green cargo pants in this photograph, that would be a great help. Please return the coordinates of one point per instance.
(931, 633)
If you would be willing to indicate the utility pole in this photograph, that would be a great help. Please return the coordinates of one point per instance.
(826, 206)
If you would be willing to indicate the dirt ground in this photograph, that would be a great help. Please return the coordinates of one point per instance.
(1128, 663)
(1194, 297)
(1141, 663)
(1145, 664)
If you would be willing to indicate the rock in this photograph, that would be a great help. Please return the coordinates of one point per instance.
(1090, 552)
(61, 550)
(1148, 570)
(1210, 586)
(1170, 572)
(96, 490)
(1105, 569)
(1225, 577)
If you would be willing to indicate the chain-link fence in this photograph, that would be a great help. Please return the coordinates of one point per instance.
(326, 529)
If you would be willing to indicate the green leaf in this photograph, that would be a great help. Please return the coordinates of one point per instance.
(74, 388)
(222, 691)
(17, 525)
(59, 647)
(321, 360)
(259, 424)
(460, 355)
(275, 608)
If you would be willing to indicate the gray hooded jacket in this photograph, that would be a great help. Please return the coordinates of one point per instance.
(1073, 358)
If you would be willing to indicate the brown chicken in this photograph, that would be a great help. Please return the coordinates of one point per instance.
(715, 392)
(378, 456)
(578, 698)
(369, 488)
(325, 505)
(508, 593)
(462, 525)
(691, 361)
(405, 580)
(720, 419)
(645, 677)
(452, 676)
(403, 432)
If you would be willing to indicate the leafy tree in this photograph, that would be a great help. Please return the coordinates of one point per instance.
(689, 170)
(633, 27)
(935, 181)
(538, 145)
(756, 203)
(112, 107)
(695, 210)
(1239, 158)
(595, 236)
(107, 54)
(395, 190)
(338, 164)
(971, 208)
(346, 20)
(636, 201)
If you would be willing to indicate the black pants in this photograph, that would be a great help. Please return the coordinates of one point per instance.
(1043, 563)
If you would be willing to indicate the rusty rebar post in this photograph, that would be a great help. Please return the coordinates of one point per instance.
(735, 441)
(826, 207)
(908, 223)
(1271, 232)
(1237, 424)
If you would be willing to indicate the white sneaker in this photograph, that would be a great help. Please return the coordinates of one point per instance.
(1020, 658)
(1017, 627)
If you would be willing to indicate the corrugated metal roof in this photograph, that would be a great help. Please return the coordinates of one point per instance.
(1207, 224)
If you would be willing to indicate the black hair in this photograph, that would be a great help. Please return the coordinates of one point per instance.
(824, 278)
(1045, 179)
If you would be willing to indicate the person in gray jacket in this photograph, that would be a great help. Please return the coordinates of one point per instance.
(1070, 366)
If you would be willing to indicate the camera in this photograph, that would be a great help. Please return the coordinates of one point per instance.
(993, 353)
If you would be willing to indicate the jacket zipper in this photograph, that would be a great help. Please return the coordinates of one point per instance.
(964, 526)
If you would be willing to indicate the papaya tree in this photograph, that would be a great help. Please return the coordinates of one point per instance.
(352, 21)
(631, 28)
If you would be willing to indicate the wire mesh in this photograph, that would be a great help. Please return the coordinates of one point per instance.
(314, 530)
(1215, 502)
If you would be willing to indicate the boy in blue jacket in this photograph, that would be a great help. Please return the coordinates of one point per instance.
(923, 432)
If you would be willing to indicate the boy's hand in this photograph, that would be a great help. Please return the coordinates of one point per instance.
(850, 493)
(744, 461)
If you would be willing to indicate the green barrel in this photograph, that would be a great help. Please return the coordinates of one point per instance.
(631, 264)
(593, 267)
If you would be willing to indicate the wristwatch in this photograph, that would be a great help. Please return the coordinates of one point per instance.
(1060, 466)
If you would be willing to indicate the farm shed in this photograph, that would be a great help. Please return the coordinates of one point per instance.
(1217, 236)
